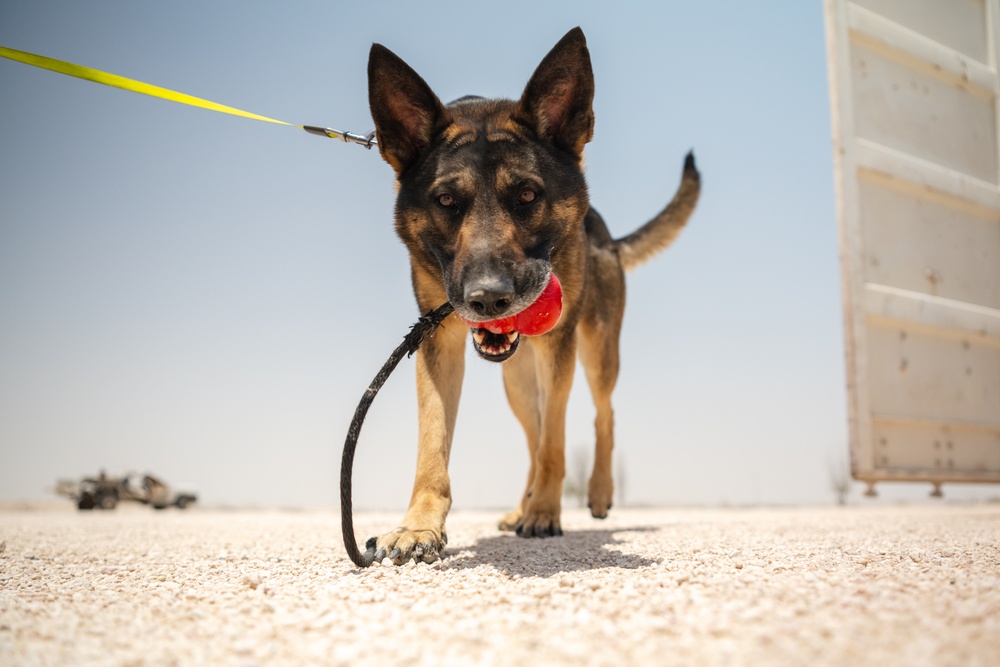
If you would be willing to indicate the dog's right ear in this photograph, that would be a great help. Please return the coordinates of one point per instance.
(406, 111)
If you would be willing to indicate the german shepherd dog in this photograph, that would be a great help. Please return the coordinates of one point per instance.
(491, 200)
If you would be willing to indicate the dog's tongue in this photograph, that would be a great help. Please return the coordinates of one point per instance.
(538, 318)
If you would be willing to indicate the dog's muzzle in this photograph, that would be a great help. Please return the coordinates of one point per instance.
(497, 340)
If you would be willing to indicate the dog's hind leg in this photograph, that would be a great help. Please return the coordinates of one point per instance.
(598, 341)
(521, 385)
(600, 362)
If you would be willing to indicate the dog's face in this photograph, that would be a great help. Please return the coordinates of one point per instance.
(490, 192)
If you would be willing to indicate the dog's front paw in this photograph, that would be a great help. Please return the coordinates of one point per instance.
(404, 544)
(539, 524)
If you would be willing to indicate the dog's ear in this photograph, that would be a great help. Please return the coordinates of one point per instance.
(558, 99)
(406, 111)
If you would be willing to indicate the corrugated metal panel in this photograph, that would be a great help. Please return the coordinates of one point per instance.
(914, 92)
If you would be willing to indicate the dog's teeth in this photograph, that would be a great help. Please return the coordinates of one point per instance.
(496, 345)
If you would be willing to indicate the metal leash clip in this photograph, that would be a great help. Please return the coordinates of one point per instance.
(347, 137)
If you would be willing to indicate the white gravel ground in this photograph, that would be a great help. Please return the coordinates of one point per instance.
(847, 586)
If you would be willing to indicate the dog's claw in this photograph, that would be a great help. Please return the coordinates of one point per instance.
(548, 531)
(380, 555)
(369, 554)
(394, 554)
(538, 527)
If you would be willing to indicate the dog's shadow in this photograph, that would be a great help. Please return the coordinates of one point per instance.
(575, 551)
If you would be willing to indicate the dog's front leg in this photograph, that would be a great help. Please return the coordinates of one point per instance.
(440, 368)
(555, 362)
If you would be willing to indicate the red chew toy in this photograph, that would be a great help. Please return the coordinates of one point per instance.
(538, 318)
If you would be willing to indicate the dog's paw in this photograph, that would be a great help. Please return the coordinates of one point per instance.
(403, 545)
(538, 524)
(599, 496)
(509, 522)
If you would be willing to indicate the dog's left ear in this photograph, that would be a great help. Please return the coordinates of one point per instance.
(406, 111)
(559, 97)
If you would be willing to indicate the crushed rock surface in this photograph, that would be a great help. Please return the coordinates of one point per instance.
(916, 585)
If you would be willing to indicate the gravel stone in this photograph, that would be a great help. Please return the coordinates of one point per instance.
(909, 585)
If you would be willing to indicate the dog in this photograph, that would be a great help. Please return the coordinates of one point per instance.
(490, 202)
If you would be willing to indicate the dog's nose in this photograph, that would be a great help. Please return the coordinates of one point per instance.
(489, 297)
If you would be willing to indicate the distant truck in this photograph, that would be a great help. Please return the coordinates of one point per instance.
(104, 492)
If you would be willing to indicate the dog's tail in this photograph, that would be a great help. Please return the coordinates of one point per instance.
(661, 231)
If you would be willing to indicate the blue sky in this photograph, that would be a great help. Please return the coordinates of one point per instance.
(206, 297)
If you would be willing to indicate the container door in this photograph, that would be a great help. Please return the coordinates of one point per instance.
(914, 90)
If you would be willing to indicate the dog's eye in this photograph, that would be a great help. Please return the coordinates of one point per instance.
(446, 200)
(527, 196)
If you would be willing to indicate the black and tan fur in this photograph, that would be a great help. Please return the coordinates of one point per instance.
(491, 199)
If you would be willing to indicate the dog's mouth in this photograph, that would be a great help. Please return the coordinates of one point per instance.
(495, 346)
(497, 340)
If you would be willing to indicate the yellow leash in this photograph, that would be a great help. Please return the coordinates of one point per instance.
(124, 83)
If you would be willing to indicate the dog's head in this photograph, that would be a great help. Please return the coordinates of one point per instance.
(490, 193)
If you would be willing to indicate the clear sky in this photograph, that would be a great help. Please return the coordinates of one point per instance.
(206, 297)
